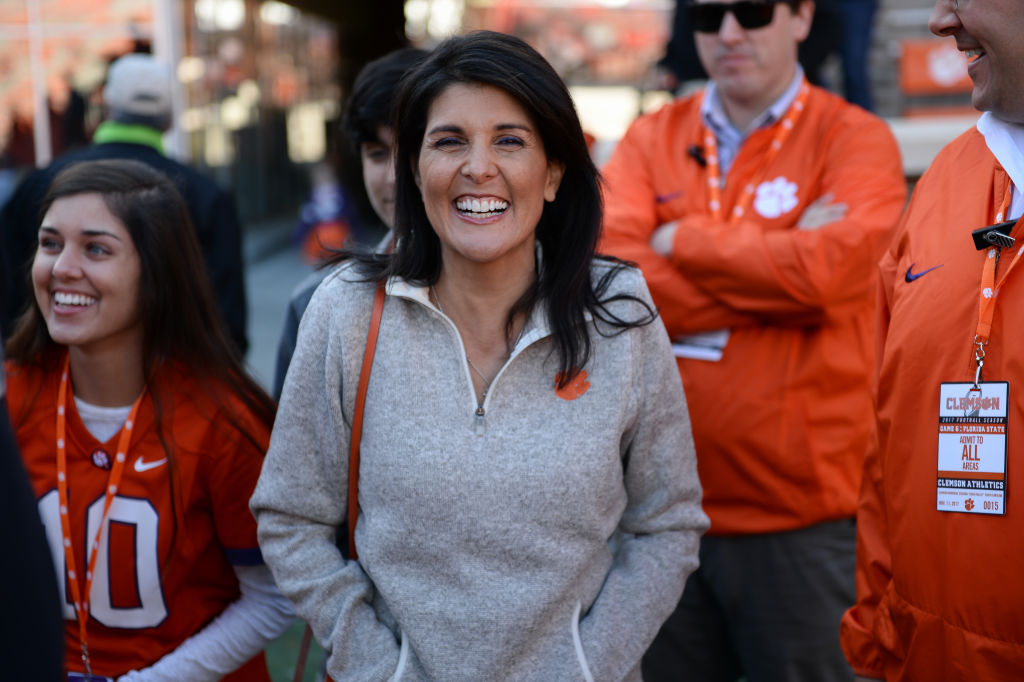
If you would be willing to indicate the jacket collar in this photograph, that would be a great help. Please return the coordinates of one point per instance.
(536, 327)
(112, 131)
(713, 111)
(1006, 142)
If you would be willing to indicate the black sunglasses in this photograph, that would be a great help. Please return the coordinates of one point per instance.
(707, 17)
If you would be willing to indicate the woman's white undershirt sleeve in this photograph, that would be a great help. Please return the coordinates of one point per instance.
(259, 616)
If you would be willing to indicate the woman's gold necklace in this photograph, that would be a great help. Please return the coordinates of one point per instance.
(487, 383)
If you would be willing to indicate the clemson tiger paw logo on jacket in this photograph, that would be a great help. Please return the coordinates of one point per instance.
(577, 386)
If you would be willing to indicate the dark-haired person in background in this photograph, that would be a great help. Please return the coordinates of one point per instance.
(143, 437)
(367, 126)
(529, 505)
(757, 210)
(31, 633)
(137, 102)
(683, 64)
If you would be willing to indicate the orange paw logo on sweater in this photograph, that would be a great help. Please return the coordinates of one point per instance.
(577, 386)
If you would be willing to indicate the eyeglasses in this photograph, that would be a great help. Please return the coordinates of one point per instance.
(707, 17)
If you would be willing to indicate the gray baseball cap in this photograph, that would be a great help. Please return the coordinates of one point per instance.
(139, 85)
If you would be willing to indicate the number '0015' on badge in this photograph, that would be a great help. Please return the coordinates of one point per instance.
(972, 447)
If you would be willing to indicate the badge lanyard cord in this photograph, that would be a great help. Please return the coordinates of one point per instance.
(990, 287)
(80, 596)
(714, 167)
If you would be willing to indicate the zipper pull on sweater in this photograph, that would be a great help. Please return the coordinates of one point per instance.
(478, 420)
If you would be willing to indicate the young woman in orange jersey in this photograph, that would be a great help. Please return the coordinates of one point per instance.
(143, 437)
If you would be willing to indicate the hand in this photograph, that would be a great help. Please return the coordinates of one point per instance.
(663, 239)
(821, 212)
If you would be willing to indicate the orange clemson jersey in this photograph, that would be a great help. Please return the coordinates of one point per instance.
(178, 523)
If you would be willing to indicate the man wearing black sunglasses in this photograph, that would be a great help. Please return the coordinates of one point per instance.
(757, 210)
(941, 513)
(706, 17)
(682, 65)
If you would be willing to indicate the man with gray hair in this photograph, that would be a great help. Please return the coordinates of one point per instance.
(137, 100)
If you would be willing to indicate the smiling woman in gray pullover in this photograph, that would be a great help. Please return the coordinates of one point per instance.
(529, 502)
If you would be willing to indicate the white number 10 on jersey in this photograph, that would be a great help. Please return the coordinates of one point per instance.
(140, 514)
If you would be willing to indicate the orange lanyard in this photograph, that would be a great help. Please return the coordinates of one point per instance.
(124, 439)
(990, 287)
(715, 171)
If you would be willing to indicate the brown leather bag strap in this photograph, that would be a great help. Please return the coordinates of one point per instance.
(357, 420)
(300, 664)
(353, 458)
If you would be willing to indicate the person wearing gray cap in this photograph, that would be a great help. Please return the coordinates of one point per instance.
(138, 110)
(138, 92)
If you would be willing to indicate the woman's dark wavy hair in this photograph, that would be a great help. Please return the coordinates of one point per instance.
(373, 95)
(180, 321)
(569, 226)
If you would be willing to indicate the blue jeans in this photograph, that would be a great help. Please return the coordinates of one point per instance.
(857, 20)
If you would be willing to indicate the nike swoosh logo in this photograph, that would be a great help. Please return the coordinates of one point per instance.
(911, 276)
(141, 466)
(665, 198)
